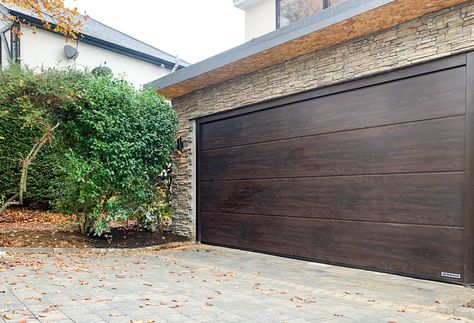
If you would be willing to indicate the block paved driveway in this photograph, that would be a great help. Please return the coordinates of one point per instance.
(203, 283)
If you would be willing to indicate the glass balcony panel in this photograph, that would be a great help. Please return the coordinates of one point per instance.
(294, 10)
(335, 2)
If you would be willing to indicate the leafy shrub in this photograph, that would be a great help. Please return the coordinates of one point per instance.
(112, 144)
(26, 103)
(159, 214)
(119, 141)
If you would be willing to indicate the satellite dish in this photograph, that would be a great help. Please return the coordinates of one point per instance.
(71, 52)
(101, 71)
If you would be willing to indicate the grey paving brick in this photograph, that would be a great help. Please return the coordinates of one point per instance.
(218, 285)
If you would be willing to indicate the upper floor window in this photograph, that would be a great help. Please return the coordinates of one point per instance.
(289, 11)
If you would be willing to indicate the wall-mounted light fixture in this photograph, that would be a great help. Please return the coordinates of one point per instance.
(179, 145)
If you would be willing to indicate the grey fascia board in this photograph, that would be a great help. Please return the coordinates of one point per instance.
(321, 20)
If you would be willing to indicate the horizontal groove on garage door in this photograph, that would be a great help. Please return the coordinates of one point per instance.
(433, 198)
(426, 146)
(407, 249)
(435, 95)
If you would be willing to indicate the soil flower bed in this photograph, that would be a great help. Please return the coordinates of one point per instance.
(23, 227)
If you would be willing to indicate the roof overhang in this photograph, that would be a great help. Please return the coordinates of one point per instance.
(94, 41)
(245, 4)
(338, 24)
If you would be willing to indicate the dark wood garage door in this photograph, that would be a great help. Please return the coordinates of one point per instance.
(369, 173)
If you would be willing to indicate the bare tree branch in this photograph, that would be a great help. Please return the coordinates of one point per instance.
(24, 170)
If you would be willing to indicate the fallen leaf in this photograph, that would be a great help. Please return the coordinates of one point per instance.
(115, 314)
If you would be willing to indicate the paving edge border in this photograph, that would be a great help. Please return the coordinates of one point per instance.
(173, 245)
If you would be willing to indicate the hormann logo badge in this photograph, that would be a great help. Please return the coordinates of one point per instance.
(450, 275)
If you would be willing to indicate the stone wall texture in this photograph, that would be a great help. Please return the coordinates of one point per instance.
(436, 35)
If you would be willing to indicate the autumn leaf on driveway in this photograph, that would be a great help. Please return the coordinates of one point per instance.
(116, 314)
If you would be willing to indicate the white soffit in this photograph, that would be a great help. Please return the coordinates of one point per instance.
(245, 4)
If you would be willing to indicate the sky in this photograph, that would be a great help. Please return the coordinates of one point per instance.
(192, 29)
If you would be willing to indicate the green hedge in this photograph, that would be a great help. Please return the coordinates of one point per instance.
(16, 144)
(26, 101)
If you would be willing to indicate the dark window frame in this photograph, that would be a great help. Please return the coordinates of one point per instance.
(15, 49)
(326, 5)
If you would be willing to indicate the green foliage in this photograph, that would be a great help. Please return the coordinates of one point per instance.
(26, 103)
(120, 139)
(158, 214)
(109, 151)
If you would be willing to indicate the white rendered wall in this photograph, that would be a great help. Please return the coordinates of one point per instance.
(260, 19)
(4, 53)
(46, 49)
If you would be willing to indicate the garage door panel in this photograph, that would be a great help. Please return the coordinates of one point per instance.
(436, 199)
(427, 146)
(371, 176)
(410, 249)
(426, 96)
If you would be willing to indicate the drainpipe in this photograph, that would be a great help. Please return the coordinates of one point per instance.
(15, 44)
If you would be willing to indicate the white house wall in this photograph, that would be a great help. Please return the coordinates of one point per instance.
(46, 49)
(4, 52)
(260, 19)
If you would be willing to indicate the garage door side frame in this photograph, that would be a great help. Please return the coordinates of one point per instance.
(469, 175)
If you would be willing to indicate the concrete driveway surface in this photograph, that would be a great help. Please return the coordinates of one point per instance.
(211, 284)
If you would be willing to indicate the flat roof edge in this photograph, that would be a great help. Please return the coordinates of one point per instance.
(317, 22)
